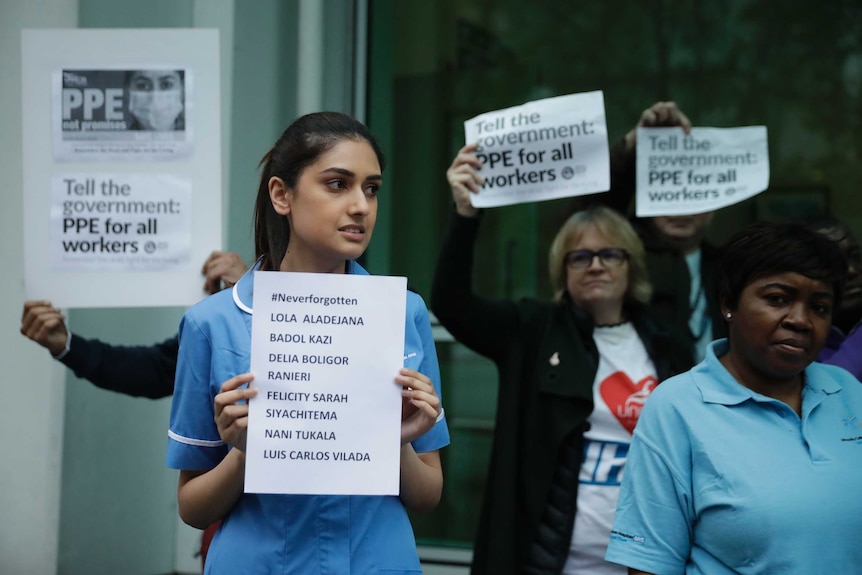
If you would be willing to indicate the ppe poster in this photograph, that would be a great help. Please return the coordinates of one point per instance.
(122, 163)
(120, 222)
(543, 150)
(131, 115)
(705, 170)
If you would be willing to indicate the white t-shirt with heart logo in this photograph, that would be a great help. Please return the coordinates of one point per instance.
(625, 378)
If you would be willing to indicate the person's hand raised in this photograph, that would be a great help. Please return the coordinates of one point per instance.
(44, 324)
(464, 179)
(222, 268)
(659, 115)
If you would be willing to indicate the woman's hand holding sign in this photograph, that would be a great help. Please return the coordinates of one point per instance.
(421, 473)
(659, 115)
(420, 405)
(231, 410)
(464, 179)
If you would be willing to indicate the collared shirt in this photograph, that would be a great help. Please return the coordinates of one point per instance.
(287, 534)
(723, 480)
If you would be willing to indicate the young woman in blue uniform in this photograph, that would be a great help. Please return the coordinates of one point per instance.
(315, 212)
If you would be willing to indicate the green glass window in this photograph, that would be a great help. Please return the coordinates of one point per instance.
(793, 66)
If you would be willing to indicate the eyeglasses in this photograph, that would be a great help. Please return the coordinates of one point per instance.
(609, 257)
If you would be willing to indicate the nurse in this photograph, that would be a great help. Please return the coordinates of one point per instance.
(315, 213)
(750, 462)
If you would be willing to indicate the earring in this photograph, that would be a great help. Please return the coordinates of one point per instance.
(729, 315)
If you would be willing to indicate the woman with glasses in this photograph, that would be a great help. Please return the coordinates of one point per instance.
(574, 374)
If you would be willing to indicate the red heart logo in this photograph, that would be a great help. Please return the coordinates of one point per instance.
(625, 398)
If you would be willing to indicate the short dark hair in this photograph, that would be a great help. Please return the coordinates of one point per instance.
(299, 146)
(764, 249)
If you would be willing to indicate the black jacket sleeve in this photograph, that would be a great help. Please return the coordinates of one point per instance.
(486, 326)
(623, 181)
(623, 178)
(139, 371)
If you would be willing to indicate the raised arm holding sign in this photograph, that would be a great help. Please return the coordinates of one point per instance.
(681, 263)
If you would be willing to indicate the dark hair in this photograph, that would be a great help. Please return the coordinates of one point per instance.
(763, 249)
(829, 226)
(129, 74)
(133, 122)
(299, 146)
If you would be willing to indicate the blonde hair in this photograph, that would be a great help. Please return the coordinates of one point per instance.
(619, 232)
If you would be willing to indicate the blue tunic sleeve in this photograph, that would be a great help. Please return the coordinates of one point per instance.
(193, 439)
(420, 354)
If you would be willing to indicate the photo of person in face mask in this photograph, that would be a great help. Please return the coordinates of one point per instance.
(156, 100)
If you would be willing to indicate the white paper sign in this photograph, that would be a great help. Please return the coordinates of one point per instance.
(708, 169)
(120, 222)
(325, 351)
(117, 107)
(542, 150)
(123, 114)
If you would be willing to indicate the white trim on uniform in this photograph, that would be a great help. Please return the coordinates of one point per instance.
(238, 301)
(198, 442)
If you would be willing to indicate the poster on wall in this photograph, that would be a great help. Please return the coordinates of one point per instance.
(123, 114)
(122, 181)
(120, 222)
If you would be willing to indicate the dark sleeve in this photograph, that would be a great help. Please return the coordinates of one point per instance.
(483, 325)
(623, 180)
(709, 276)
(139, 371)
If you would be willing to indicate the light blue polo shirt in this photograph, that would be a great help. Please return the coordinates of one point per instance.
(723, 480)
(287, 534)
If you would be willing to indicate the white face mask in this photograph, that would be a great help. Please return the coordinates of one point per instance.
(156, 110)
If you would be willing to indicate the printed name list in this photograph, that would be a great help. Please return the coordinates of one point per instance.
(705, 170)
(325, 351)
